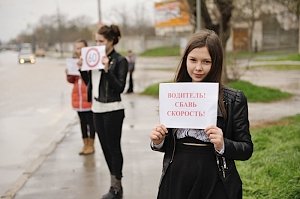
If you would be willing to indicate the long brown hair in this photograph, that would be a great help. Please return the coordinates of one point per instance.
(210, 40)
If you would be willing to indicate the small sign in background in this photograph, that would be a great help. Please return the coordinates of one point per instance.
(72, 68)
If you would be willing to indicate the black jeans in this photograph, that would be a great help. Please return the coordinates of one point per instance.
(109, 129)
(130, 88)
(87, 124)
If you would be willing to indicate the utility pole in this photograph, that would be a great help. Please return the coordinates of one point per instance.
(59, 31)
(198, 13)
(99, 11)
(298, 13)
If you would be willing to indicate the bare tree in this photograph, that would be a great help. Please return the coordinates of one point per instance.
(80, 27)
(294, 7)
(45, 31)
(53, 29)
(247, 11)
(217, 20)
(121, 14)
(141, 23)
(250, 11)
(133, 21)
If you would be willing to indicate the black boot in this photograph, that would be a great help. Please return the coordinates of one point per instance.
(116, 190)
(113, 193)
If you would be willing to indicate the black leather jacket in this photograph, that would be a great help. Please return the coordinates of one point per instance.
(237, 140)
(112, 83)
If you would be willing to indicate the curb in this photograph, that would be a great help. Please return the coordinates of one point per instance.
(35, 165)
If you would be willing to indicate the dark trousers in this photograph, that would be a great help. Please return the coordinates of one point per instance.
(109, 129)
(87, 124)
(193, 174)
(130, 88)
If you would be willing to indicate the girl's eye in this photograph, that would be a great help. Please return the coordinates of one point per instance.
(193, 60)
(206, 62)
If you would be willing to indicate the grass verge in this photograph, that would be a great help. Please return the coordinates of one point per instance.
(253, 93)
(278, 67)
(152, 90)
(264, 55)
(290, 57)
(259, 93)
(273, 170)
(162, 51)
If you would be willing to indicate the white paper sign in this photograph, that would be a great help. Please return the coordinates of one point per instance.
(188, 105)
(72, 68)
(92, 57)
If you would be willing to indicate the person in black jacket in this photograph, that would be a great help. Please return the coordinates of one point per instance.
(131, 57)
(199, 163)
(104, 90)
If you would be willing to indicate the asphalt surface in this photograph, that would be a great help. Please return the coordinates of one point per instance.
(65, 174)
(61, 173)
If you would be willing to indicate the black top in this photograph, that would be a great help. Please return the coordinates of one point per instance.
(112, 83)
(237, 140)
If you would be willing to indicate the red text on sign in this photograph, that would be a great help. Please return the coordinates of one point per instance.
(186, 95)
(186, 113)
(185, 104)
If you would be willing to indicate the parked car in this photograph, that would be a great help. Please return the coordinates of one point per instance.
(40, 52)
(26, 55)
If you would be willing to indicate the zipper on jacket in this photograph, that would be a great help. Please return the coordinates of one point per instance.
(173, 147)
(106, 90)
(221, 162)
(106, 85)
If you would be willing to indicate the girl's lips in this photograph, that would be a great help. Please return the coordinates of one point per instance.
(198, 75)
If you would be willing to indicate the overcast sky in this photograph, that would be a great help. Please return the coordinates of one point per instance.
(19, 15)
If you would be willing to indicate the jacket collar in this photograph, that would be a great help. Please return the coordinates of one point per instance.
(112, 54)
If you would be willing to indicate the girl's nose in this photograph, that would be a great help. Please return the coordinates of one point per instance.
(199, 66)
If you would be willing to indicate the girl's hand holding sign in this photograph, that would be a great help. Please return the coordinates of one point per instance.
(158, 134)
(79, 63)
(105, 62)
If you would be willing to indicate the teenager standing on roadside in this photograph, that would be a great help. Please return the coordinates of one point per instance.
(105, 88)
(199, 163)
(81, 105)
(131, 57)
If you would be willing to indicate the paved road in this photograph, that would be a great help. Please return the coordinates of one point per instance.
(34, 110)
(64, 174)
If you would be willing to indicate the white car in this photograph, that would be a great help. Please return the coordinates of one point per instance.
(26, 55)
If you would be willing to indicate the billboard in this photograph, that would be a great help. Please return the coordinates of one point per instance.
(171, 13)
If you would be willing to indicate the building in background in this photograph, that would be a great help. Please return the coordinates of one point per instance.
(172, 17)
(263, 27)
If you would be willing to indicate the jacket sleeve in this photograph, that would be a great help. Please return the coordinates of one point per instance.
(85, 76)
(118, 80)
(239, 145)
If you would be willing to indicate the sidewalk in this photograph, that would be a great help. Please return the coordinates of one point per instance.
(65, 174)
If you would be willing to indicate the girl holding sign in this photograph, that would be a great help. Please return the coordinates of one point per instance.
(81, 105)
(199, 163)
(105, 88)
